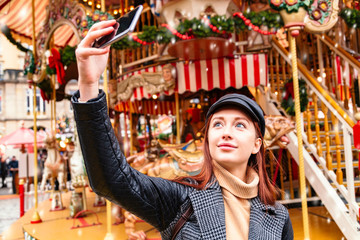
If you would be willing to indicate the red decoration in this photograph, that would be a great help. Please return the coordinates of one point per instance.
(195, 114)
(43, 95)
(135, 38)
(176, 33)
(356, 130)
(55, 62)
(289, 90)
(22, 198)
(248, 23)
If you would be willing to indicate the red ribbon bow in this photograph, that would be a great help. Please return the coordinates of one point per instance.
(55, 62)
(289, 87)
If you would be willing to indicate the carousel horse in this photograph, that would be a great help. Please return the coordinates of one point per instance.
(77, 167)
(54, 165)
(181, 160)
(276, 129)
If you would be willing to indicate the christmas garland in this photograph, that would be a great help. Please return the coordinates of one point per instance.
(68, 55)
(288, 103)
(216, 26)
(351, 17)
(266, 18)
(6, 31)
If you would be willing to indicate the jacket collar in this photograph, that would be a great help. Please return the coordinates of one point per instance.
(210, 212)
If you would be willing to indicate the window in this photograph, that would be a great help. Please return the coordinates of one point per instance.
(40, 103)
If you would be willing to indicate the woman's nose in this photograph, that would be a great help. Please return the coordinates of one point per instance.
(227, 133)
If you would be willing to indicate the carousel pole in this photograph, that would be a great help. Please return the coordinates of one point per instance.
(53, 80)
(144, 112)
(35, 217)
(53, 100)
(177, 117)
(109, 235)
(131, 128)
(299, 131)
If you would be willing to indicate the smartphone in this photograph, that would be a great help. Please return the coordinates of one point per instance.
(122, 27)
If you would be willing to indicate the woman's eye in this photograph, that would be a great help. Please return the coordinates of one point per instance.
(217, 124)
(240, 125)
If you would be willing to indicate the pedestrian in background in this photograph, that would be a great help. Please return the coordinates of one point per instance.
(3, 171)
(14, 170)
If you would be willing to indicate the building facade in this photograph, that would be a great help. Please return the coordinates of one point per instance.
(16, 97)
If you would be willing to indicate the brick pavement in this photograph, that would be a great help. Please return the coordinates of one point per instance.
(9, 206)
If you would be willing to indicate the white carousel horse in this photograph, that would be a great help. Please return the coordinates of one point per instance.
(54, 166)
(77, 167)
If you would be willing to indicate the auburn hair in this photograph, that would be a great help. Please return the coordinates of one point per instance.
(267, 192)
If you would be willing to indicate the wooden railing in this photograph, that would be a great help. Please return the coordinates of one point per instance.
(334, 68)
(128, 59)
(327, 125)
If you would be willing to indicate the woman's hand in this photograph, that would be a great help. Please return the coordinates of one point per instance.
(91, 61)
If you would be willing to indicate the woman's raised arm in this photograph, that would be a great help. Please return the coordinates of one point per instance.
(92, 61)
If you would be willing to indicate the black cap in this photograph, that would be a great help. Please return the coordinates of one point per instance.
(244, 103)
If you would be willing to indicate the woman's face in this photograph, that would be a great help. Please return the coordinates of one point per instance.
(232, 139)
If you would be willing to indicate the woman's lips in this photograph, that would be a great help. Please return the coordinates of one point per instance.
(226, 146)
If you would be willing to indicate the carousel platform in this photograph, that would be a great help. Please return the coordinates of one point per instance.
(58, 224)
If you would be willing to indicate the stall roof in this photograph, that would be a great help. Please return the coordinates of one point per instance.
(17, 16)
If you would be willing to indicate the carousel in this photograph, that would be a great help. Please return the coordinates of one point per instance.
(298, 59)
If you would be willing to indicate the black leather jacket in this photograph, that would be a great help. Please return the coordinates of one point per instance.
(154, 200)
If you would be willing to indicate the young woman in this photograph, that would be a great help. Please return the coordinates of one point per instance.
(232, 197)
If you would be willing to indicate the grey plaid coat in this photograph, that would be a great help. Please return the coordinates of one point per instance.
(158, 201)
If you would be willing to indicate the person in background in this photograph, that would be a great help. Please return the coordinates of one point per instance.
(3, 171)
(14, 170)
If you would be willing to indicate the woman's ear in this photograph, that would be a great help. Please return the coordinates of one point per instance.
(257, 146)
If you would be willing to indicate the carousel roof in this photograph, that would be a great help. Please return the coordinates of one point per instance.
(17, 16)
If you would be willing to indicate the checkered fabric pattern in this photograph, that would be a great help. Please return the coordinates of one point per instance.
(208, 221)
(269, 222)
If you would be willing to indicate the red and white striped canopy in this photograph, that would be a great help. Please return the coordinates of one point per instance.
(17, 16)
(244, 70)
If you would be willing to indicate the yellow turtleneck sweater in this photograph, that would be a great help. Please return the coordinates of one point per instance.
(236, 194)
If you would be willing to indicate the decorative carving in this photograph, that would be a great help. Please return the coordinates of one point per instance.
(324, 7)
(152, 82)
(58, 13)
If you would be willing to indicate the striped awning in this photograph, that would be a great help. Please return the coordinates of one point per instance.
(222, 73)
(17, 16)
